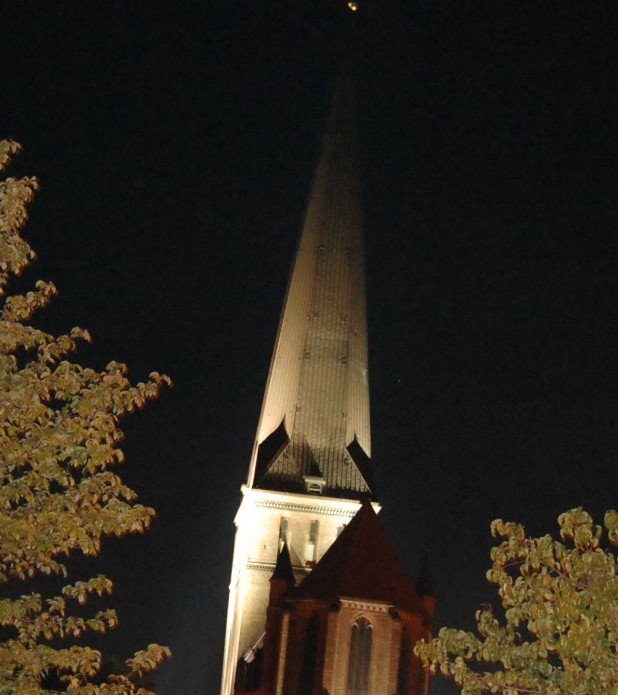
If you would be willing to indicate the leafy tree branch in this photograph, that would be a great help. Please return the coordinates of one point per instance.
(559, 635)
(59, 443)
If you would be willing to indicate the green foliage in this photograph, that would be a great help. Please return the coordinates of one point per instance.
(560, 630)
(59, 440)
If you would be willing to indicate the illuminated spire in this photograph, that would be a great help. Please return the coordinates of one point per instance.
(313, 433)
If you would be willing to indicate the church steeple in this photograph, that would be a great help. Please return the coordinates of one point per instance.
(313, 434)
(310, 463)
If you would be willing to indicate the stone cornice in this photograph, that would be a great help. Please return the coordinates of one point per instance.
(314, 509)
(294, 502)
(366, 605)
(270, 566)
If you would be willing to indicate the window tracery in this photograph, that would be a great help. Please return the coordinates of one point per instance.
(359, 661)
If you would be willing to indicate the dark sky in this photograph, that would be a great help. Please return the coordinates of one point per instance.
(175, 143)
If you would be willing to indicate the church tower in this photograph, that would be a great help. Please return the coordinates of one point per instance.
(310, 467)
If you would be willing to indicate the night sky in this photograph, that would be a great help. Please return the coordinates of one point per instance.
(175, 143)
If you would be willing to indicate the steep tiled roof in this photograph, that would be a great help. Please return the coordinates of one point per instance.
(362, 563)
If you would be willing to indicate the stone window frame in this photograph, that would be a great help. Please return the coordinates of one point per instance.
(365, 688)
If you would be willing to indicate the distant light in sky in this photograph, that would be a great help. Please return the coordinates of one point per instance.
(353, 6)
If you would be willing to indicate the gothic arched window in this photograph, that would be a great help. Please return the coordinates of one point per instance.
(310, 653)
(361, 640)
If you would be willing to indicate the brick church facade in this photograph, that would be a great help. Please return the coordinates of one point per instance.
(320, 603)
(348, 628)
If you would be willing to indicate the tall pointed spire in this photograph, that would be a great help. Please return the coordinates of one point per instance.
(313, 434)
(310, 463)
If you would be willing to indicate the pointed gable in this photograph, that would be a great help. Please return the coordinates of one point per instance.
(363, 564)
(283, 567)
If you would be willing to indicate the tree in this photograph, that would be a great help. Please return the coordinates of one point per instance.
(559, 634)
(59, 442)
